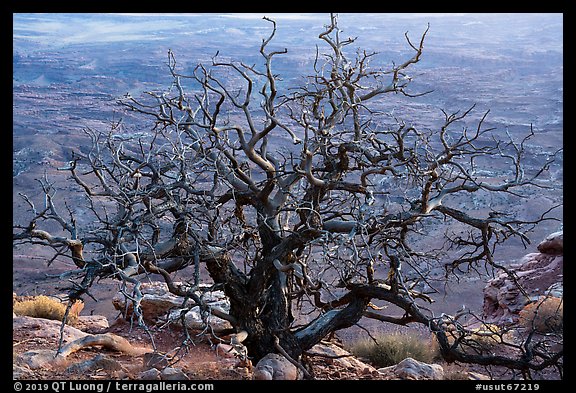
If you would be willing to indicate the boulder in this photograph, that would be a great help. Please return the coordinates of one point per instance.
(334, 354)
(156, 360)
(538, 273)
(149, 375)
(388, 372)
(275, 367)
(173, 374)
(158, 303)
(47, 329)
(193, 318)
(39, 358)
(413, 369)
(98, 362)
(226, 351)
(553, 244)
(92, 323)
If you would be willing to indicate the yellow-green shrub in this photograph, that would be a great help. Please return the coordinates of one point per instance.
(391, 349)
(46, 307)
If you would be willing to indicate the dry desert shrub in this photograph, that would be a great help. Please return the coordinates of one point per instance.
(545, 315)
(483, 338)
(47, 307)
(391, 349)
(488, 335)
(455, 373)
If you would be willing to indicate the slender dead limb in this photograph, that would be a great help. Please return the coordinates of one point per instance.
(296, 363)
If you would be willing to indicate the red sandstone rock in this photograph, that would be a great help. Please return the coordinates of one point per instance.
(537, 273)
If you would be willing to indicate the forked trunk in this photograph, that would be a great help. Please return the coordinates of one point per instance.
(265, 318)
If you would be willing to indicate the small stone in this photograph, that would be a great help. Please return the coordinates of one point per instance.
(150, 375)
(226, 351)
(173, 374)
(156, 360)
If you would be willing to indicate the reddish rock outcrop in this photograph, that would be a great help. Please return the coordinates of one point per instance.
(539, 274)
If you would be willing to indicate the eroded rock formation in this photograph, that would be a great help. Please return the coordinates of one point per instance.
(539, 274)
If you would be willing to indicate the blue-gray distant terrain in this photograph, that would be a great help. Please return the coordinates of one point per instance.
(68, 70)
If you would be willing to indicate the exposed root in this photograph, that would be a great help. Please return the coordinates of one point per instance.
(108, 340)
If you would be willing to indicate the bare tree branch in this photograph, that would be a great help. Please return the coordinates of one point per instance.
(319, 227)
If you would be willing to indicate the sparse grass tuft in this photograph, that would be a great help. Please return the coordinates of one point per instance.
(488, 336)
(484, 338)
(391, 349)
(546, 315)
(46, 307)
(452, 373)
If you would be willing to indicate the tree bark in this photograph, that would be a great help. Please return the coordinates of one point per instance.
(331, 321)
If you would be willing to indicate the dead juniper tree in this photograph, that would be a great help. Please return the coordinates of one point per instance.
(307, 206)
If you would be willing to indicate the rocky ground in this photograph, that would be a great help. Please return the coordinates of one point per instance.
(95, 349)
(99, 349)
(35, 337)
(60, 89)
(200, 361)
(197, 361)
